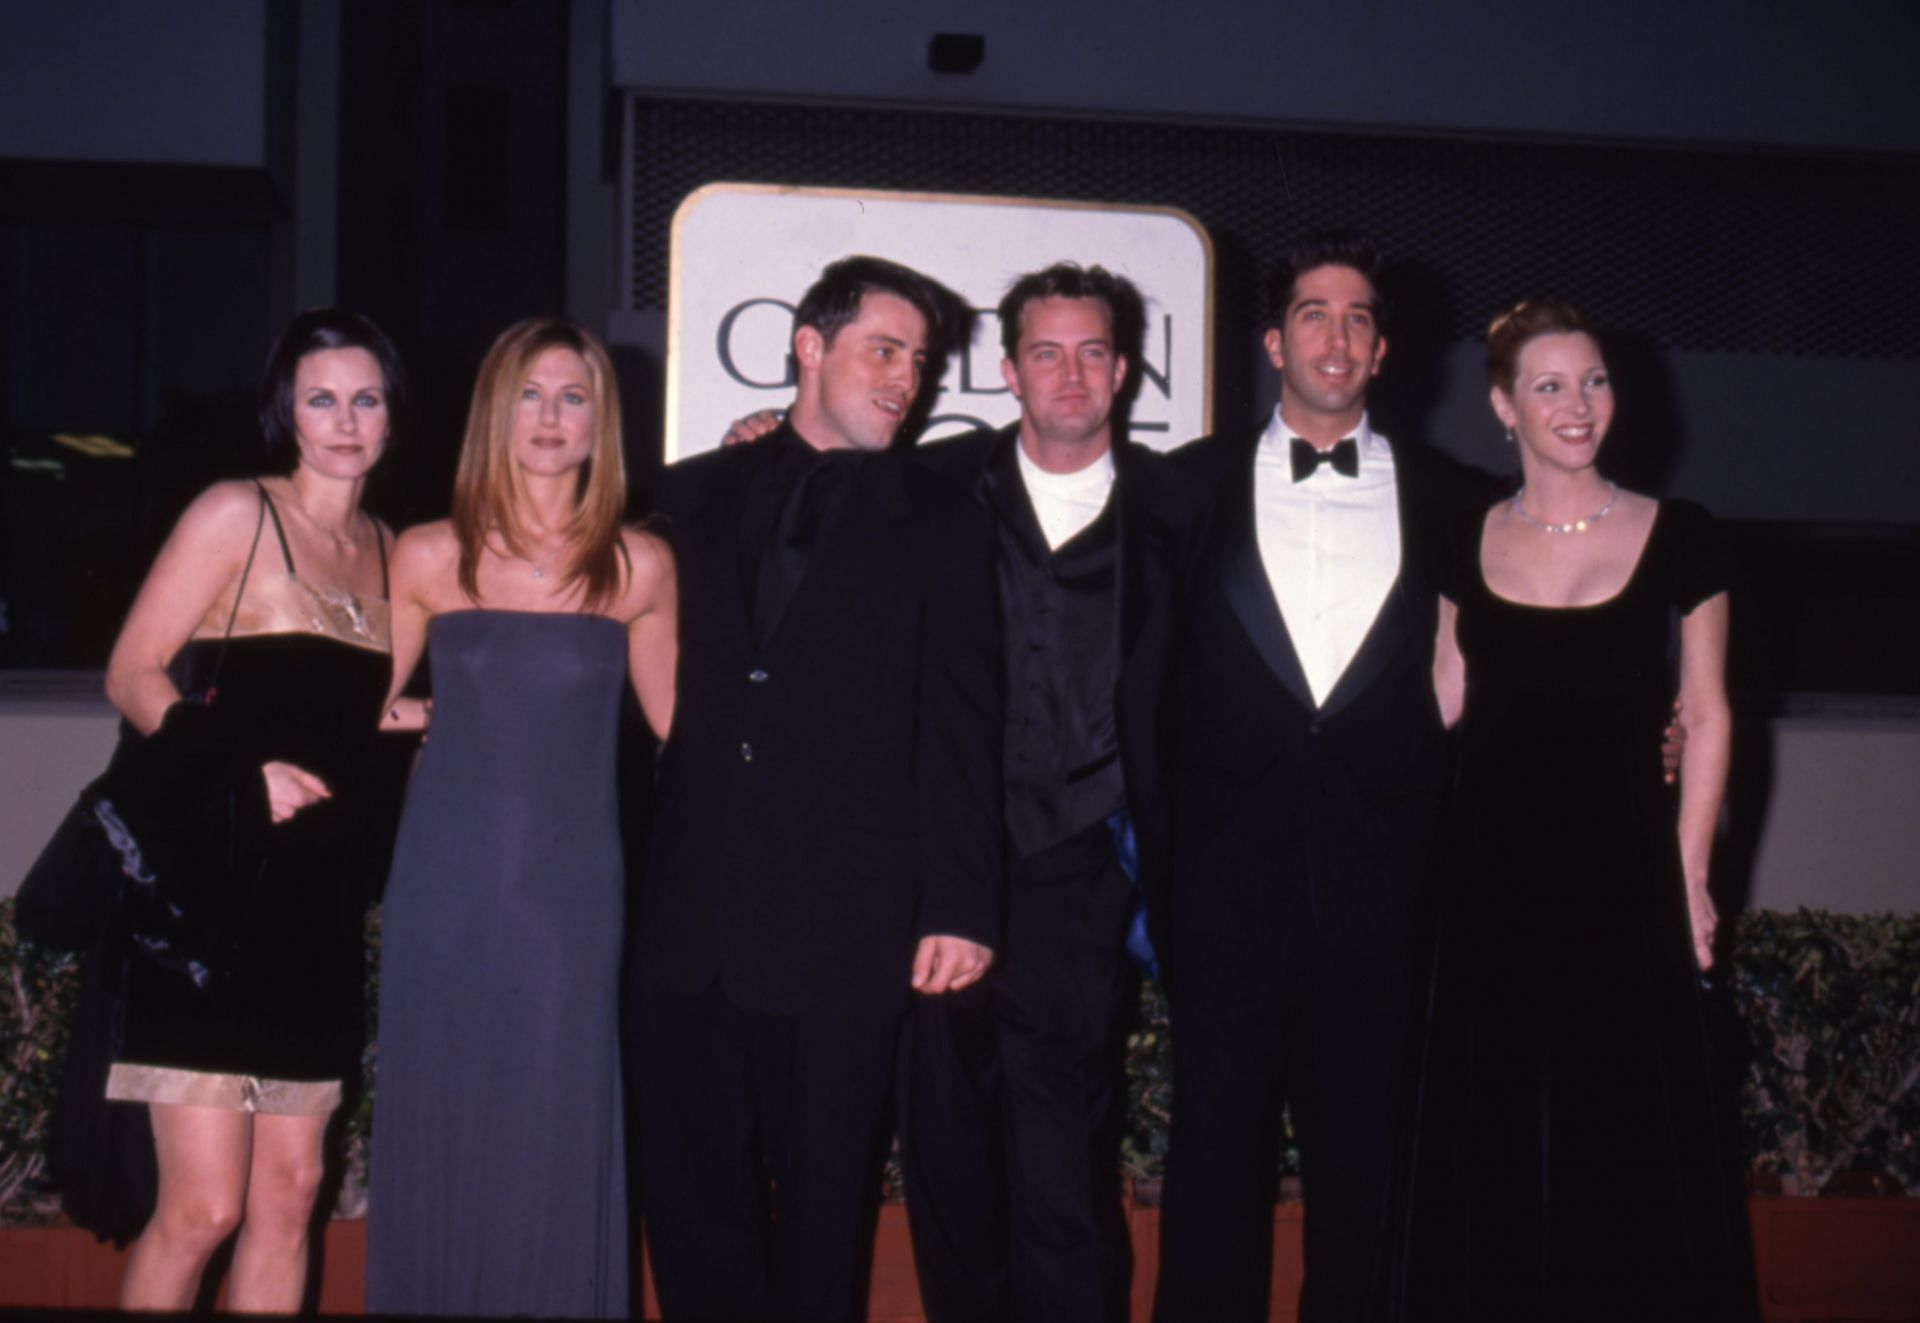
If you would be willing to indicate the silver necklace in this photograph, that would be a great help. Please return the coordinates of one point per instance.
(1572, 526)
(538, 567)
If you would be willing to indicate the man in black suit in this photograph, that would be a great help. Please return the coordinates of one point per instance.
(827, 831)
(1307, 773)
(1010, 1091)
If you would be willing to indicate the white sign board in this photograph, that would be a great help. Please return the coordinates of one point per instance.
(743, 254)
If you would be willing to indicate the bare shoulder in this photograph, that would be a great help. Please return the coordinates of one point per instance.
(424, 553)
(427, 542)
(231, 505)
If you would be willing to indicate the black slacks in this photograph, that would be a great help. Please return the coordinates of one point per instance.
(761, 1140)
(1266, 1015)
(1010, 1098)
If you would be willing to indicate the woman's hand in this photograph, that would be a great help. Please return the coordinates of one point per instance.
(1673, 743)
(289, 789)
(407, 714)
(1705, 920)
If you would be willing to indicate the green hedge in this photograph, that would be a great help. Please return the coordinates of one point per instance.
(1830, 1004)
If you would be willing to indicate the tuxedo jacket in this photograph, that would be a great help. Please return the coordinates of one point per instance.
(1160, 507)
(1277, 801)
(831, 795)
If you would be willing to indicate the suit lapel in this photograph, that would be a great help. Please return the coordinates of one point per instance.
(1246, 586)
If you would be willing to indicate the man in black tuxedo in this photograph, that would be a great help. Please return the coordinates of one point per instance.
(1307, 773)
(827, 830)
(1010, 1091)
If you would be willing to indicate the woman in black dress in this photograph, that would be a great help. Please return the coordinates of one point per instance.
(280, 584)
(497, 1167)
(1572, 1162)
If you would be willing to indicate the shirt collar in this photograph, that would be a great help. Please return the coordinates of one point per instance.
(1082, 483)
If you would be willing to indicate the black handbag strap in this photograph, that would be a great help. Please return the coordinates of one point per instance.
(220, 658)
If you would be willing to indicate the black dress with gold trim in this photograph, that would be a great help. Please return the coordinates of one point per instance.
(302, 679)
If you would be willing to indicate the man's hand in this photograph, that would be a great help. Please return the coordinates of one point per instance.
(1673, 745)
(948, 964)
(752, 427)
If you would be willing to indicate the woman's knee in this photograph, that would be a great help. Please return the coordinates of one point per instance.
(282, 1193)
(197, 1220)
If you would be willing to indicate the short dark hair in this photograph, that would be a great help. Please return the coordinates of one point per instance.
(309, 332)
(1348, 248)
(834, 299)
(1508, 334)
(1070, 280)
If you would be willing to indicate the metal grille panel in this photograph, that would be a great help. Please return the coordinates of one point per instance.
(1694, 250)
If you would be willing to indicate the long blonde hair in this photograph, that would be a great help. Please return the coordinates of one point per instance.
(489, 491)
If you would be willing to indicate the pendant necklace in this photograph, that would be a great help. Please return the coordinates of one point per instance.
(1572, 526)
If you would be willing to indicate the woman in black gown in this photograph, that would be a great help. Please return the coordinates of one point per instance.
(497, 1182)
(1572, 1162)
(280, 585)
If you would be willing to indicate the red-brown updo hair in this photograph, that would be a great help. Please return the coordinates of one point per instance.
(1527, 320)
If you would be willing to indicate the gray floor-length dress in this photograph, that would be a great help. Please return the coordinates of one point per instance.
(497, 1170)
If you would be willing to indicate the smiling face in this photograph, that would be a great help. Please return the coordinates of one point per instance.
(1562, 400)
(554, 418)
(1327, 349)
(339, 412)
(1065, 372)
(855, 392)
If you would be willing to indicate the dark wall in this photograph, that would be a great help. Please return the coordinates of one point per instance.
(452, 186)
(1723, 72)
(183, 83)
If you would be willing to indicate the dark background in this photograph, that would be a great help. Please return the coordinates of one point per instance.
(1732, 194)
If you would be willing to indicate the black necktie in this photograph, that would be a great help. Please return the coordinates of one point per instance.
(1345, 458)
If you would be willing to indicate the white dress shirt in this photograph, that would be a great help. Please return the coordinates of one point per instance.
(1066, 502)
(1330, 545)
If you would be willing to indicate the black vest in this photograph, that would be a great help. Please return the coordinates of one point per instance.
(1059, 617)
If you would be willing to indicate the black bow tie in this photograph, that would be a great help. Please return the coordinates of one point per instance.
(1345, 458)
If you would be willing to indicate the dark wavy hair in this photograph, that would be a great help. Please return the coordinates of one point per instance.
(309, 332)
(1070, 280)
(834, 299)
(1348, 248)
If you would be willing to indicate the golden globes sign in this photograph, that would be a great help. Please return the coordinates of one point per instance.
(744, 253)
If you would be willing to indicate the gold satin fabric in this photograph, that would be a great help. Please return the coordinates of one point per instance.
(277, 602)
(129, 1082)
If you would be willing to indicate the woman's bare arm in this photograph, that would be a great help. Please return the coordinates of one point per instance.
(1703, 763)
(653, 638)
(203, 554)
(422, 558)
(1449, 667)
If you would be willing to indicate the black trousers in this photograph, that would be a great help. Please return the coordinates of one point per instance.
(1010, 1102)
(761, 1140)
(1261, 1017)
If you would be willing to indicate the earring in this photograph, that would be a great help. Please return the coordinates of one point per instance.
(1510, 437)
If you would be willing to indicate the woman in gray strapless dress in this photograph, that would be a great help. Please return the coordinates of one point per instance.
(497, 1174)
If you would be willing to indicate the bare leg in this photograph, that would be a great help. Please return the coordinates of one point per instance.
(203, 1154)
(270, 1260)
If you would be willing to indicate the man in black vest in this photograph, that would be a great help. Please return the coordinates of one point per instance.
(1307, 773)
(827, 826)
(1010, 1091)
